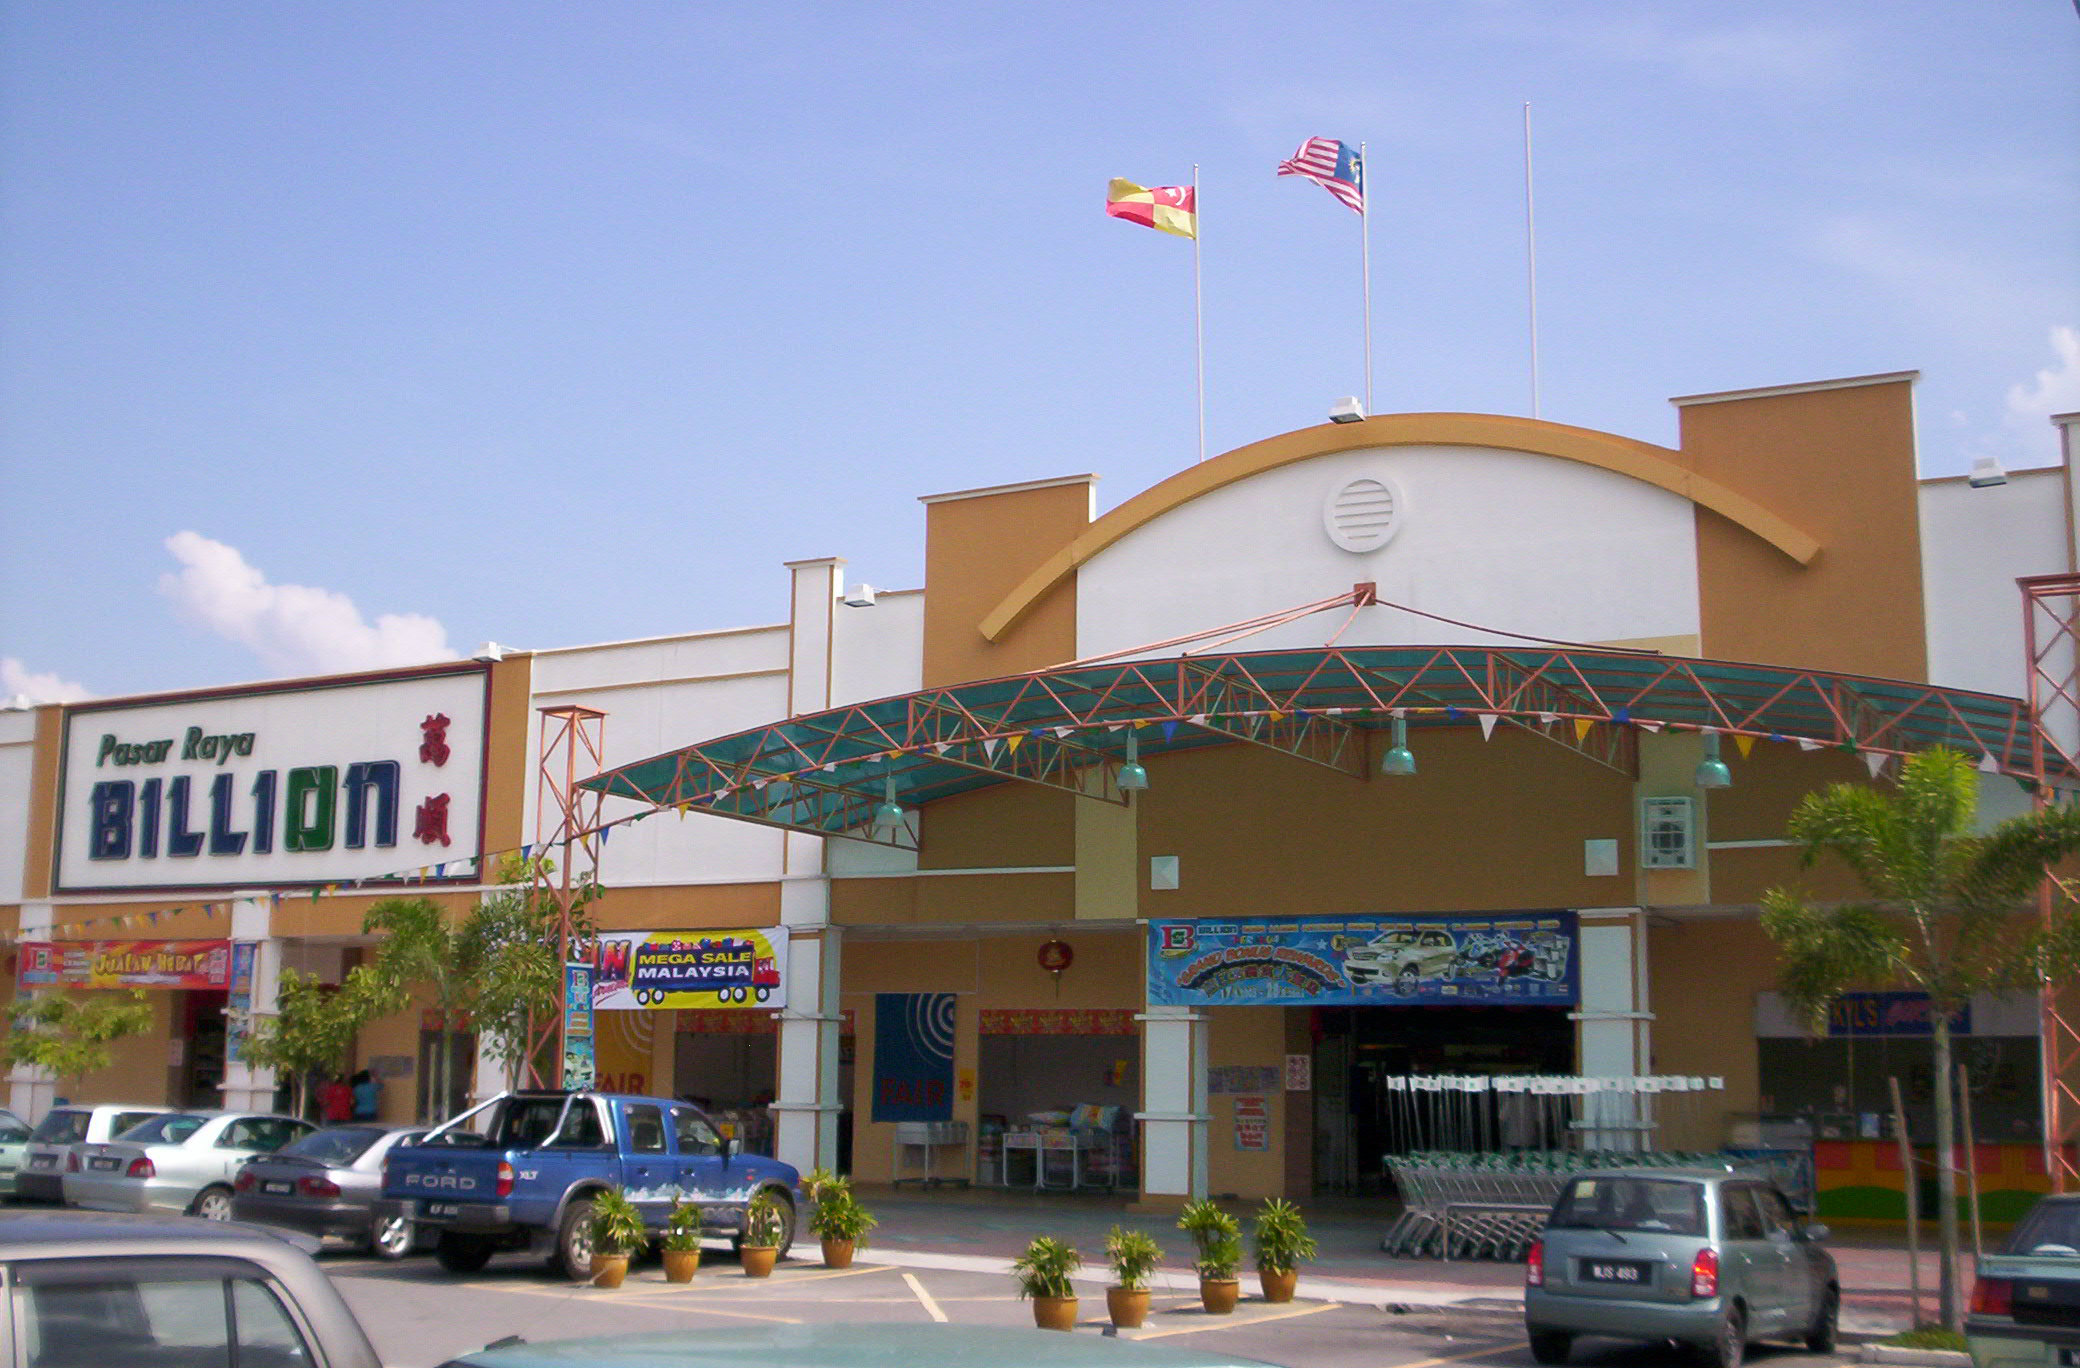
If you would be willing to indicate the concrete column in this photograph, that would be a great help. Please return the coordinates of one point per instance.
(246, 1086)
(1175, 1119)
(1613, 1035)
(806, 1105)
(31, 1091)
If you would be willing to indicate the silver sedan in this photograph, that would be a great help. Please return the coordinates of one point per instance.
(326, 1184)
(179, 1162)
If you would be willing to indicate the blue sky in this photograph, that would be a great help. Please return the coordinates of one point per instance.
(344, 336)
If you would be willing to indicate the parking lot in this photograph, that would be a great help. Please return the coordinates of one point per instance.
(417, 1315)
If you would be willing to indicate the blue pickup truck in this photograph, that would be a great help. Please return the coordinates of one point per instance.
(520, 1172)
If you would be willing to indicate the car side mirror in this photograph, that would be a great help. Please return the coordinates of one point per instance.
(1813, 1231)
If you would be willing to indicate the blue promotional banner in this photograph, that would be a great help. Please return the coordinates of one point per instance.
(913, 1056)
(1524, 959)
(580, 1057)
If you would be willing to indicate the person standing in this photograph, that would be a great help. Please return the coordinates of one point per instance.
(335, 1100)
(366, 1095)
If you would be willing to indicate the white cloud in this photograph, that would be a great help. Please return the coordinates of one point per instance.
(292, 627)
(2054, 389)
(18, 680)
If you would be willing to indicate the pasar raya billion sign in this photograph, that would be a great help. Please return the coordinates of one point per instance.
(276, 786)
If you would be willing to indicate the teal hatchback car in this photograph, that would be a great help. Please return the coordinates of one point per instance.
(1708, 1257)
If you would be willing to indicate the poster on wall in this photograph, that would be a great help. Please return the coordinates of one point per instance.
(277, 786)
(1523, 959)
(913, 1056)
(692, 970)
(1253, 1122)
(238, 1007)
(204, 964)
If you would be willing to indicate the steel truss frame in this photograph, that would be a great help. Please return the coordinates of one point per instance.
(567, 821)
(1065, 728)
(2051, 642)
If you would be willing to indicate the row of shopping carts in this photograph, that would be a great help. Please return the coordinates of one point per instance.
(1492, 1205)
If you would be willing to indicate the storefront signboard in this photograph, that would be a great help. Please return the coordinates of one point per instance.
(271, 787)
(913, 1056)
(1525, 959)
(1890, 1014)
(690, 970)
(203, 964)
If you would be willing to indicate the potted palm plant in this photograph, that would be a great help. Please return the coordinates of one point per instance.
(682, 1242)
(1217, 1239)
(1282, 1245)
(1133, 1255)
(762, 1229)
(840, 1223)
(616, 1229)
(1043, 1274)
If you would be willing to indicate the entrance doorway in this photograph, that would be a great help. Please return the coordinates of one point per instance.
(1357, 1049)
(198, 1070)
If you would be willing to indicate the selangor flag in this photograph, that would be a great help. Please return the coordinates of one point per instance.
(1165, 208)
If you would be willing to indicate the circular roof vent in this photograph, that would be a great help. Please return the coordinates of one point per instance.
(1362, 514)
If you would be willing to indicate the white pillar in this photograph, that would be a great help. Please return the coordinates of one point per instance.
(1175, 1119)
(806, 1102)
(32, 1090)
(492, 1076)
(1614, 1030)
(245, 1086)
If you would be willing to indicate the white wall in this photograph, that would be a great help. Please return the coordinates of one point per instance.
(17, 754)
(658, 696)
(1504, 539)
(1975, 543)
(879, 651)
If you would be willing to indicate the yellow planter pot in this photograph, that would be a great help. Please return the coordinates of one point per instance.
(609, 1269)
(1219, 1298)
(681, 1264)
(837, 1253)
(1128, 1306)
(1054, 1313)
(758, 1263)
(1278, 1287)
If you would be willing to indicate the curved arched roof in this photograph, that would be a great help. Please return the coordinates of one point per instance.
(1655, 465)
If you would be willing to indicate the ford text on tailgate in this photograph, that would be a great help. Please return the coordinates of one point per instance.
(520, 1172)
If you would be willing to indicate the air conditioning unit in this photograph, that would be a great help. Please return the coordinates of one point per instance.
(1667, 833)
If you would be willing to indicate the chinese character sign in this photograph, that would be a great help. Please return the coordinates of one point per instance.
(1519, 959)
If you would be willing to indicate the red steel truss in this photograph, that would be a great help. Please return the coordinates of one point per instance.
(2050, 605)
(567, 843)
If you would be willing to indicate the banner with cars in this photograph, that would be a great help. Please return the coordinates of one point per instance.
(1519, 959)
(688, 969)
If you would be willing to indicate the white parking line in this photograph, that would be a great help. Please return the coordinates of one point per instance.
(931, 1307)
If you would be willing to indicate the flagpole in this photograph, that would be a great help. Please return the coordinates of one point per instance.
(1531, 259)
(1199, 308)
(1365, 249)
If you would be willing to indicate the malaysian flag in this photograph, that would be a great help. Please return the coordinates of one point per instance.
(1333, 165)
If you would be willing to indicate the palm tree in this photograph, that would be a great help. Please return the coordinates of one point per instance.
(420, 946)
(1946, 916)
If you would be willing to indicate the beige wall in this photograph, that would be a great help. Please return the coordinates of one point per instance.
(1707, 1032)
(1246, 1035)
(976, 550)
(1838, 464)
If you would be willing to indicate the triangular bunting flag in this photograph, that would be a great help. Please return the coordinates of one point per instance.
(1169, 730)
(1487, 726)
(989, 747)
(1806, 743)
(1012, 743)
(1646, 725)
(1874, 761)
(1582, 727)
(1744, 744)
(1198, 719)
(1399, 714)
(1988, 765)
(1622, 716)
(1451, 714)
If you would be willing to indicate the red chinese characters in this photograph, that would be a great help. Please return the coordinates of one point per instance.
(430, 821)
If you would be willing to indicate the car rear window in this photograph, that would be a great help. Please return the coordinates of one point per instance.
(1652, 1205)
(335, 1144)
(123, 1121)
(2052, 1224)
(169, 1129)
(64, 1126)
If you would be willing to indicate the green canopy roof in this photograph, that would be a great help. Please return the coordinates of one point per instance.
(1070, 727)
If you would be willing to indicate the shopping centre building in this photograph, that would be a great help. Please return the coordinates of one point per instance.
(1185, 848)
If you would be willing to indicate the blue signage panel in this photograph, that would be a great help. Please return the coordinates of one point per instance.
(1890, 1014)
(913, 1056)
(1524, 959)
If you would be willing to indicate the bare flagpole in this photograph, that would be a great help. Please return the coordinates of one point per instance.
(1198, 309)
(1531, 258)
(1365, 237)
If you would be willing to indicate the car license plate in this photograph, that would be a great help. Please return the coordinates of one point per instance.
(277, 1188)
(443, 1208)
(1629, 1271)
(101, 1164)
